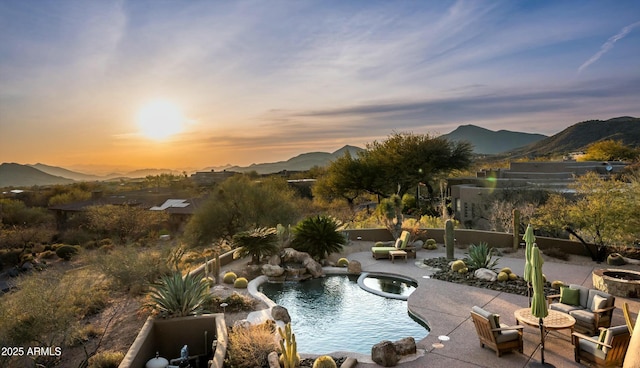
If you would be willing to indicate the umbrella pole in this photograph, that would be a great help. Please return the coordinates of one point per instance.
(529, 293)
(541, 341)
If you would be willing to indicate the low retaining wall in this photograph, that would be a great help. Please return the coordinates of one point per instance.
(464, 237)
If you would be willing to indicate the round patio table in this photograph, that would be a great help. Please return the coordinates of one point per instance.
(554, 321)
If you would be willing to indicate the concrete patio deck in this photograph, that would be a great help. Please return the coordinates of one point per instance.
(446, 308)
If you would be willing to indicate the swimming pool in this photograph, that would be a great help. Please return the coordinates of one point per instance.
(334, 314)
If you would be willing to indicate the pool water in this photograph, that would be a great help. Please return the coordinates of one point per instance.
(334, 314)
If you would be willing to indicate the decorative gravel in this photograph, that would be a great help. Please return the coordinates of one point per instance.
(518, 286)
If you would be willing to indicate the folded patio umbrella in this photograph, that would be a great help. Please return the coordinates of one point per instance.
(538, 303)
(529, 239)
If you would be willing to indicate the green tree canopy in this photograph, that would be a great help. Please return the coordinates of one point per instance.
(394, 166)
(604, 212)
(610, 149)
(240, 204)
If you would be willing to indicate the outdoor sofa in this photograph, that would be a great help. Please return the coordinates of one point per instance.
(591, 308)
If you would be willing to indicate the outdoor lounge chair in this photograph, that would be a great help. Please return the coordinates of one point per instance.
(379, 252)
(498, 337)
(591, 308)
(609, 352)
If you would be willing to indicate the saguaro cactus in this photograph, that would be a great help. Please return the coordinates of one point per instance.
(516, 228)
(448, 238)
(289, 347)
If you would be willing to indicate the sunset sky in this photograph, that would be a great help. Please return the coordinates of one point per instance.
(191, 84)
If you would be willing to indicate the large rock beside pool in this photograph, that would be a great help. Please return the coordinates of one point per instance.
(405, 346)
(354, 267)
(290, 255)
(280, 313)
(272, 270)
(384, 354)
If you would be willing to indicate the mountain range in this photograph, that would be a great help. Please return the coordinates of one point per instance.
(507, 143)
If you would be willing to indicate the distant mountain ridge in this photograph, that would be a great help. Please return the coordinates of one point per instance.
(16, 175)
(578, 136)
(301, 162)
(487, 141)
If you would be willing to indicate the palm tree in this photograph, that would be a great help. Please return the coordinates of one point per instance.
(318, 236)
(177, 296)
(258, 242)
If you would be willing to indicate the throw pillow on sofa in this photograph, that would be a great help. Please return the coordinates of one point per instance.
(598, 302)
(569, 296)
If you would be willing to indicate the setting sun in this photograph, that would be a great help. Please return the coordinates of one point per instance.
(160, 120)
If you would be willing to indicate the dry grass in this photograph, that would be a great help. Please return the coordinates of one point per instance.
(250, 346)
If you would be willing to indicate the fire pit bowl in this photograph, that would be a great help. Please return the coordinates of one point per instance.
(618, 282)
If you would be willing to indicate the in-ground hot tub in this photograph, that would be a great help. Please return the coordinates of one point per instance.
(618, 282)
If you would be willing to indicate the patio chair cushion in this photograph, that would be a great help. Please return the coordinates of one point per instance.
(592, 348)
(570, 296)
(494, 319)
(583, 315)
(598, 302)
(601, 337)
(398, 243)
(564, 308)
(611, 332)
(505, 336)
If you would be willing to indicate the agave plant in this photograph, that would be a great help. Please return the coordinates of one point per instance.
(318, 236)
(178, 296)
(258, 242)
(481, 256)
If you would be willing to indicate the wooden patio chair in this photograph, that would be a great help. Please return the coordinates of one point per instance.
(627, 317)
(609, 352)
(498, 337)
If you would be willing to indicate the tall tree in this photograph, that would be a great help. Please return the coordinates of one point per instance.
(396, 166)
(603, 213)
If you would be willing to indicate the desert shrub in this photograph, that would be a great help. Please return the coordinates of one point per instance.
(132, 269)
(179, 296)
(235, 303)
(66, 252)
(83, 334)
(106, 359)
(105, 241)
(48, 254)
(240, 283)
(229, 277)
(46, 307)
(76, 236)
(250, 346)
(342, 262)
(319, 236)
(481, 256)
(10, 257)
(257, 243)
(556, 253)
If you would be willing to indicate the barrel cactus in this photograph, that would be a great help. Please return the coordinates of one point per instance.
(324, 361)
(240, 283)
(430, 244)
(456, 266)
(229, 277)
(342, 262)
(503, 276)
(557, 284)
(513, 276)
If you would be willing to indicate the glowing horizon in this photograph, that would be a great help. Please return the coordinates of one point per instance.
(252, 82)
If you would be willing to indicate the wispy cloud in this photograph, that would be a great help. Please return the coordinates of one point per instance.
(608, 45)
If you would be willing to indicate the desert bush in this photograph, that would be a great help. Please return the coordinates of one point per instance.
(319, 236)
(76, 236)
(48, 254)
(47, 307)
(10, 257)
(66, 252)
(249, 347)
(235, 303)
(257, 243)
(106, 359)
(83, 334)
(132, 269)
(481, 256)
(179, 296)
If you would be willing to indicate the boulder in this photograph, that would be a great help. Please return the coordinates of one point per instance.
(275, 260)
(272, 270)
(384, 354)
(418, 243)
(273, 359)
(291, 255)
(354, 267)
(405, 346)
(242, 323)
(280, 313)
(485, 274)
